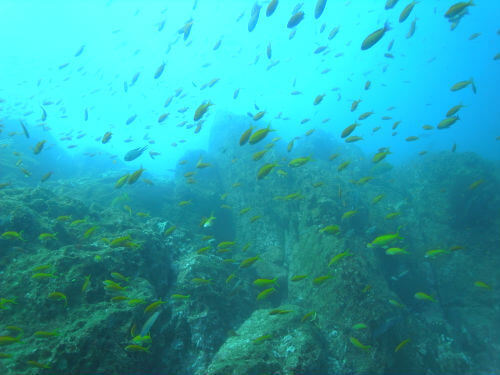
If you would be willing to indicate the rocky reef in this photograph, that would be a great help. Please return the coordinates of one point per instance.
(132, 280)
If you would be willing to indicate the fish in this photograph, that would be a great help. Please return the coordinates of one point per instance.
(58, 296)
(321, 279)
(359, 326)
(396, 251)
(295, 19)
(374, 37)
(458, 8)
(136, 348)
(259, 115)
(330, 229)
(298, 278)
(80, 51)
(265, 293)
(246, 136)
(319, 8)
(12, 235)
(265, 282)
(135, 176)
(106, 137)
(400, 345)
(46, 176)
(447, 122)
(254, 17)
(406, 11)
(271, 7)
(249, 261)
(424, 296)
(348, 214)
(435, 253)
(355, 104)
(265, 170)
(86, 283)
(44, 114)
(279, 312)
(201, 110)
(135, 153)
(269, 51)
(358, 344)
(25, 131)
(333, 33)
(39, 147)
(154, 306)
(482, 284)
(453, 110)
(463, 84)
(413, 27)
(298, 162)
(385, 239)
(475, 184)
(121, 181)
(353, 138)
(389, 4)
(343, 166)
(338, 257)
(379, 156)
(318, 99)
(131, 119)
(259, 135)
(261, 339)
(186, 30)
(309, 316)
(159, 71)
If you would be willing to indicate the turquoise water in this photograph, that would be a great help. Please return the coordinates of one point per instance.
(124, 149)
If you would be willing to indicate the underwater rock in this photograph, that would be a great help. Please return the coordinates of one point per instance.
(271, 344)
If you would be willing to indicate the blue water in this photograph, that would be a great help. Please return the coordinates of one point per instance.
(122, 38)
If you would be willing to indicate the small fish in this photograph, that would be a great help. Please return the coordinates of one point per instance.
(45, 334)
(136, 348)
(135, 176)
(254, 17)
(295, 19)
(396, 251)
(121, 181)
(259, 135)
(86, 283)
(358, 344)
(318, 99)
(400, 345)
(265, 170)
(47, 236)
(58, 296)
(435, 253)
(385, 239)
(43, 276)
(359, 326)
(309, 316)
(406, 11)
(482, 284)
(279, 312)
(389, 4)
(271, 7)
(135, 153)
(154, 306)
(298, 278)
(447, 122)
(330, 229)
(319, 8)
(458, 9)
(261, 339)
(298, 162)
(180, 297)
(249, 261)
(89, 232)
(343, 165)
(424, 296)
(338, 257)
(201, 110)
(159, 71)
(463, 84)
(39, 147)
(38, 364)
(265, 293)
(321, 279)
(374, 37)
(106, 137)
(266, 282)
